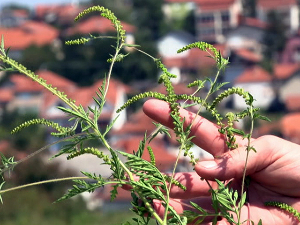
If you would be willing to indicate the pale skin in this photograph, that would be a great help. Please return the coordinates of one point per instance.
(274, 170)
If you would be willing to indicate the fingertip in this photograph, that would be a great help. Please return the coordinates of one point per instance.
(152, 105)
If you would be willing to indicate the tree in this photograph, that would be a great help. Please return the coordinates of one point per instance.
(42, 55)
(274, 39)
(249, 8)
(148, 16)
(121, 8)
(85, 64)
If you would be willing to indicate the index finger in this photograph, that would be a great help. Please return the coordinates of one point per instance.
(206, 133)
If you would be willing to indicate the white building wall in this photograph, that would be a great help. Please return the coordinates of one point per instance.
(262, 92)
(169, 45)
(290, 88)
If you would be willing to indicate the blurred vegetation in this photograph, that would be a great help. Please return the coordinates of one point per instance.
(274, 40)
(33, 206)
(21, 141)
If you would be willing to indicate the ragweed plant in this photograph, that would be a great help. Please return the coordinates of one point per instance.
(147, 182)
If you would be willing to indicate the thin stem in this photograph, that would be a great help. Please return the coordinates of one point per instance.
(39, 151)
(42, 182)
(145, 53)
(111, 67)
(246, 161)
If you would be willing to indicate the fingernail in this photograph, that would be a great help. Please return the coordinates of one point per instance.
(208, 164)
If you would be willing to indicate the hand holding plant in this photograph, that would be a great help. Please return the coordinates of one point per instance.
(274, 171)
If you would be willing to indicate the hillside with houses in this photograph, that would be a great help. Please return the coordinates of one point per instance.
(272, 76)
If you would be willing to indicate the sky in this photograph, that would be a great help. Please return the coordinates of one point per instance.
(32, 3)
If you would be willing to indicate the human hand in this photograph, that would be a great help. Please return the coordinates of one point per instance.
(274, 170)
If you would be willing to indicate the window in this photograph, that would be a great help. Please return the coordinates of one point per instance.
(225, 16)
(207, 31)
(208, 18)
(25, 95)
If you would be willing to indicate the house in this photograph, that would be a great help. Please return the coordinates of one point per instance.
(62, 14)
(248, 34)
(28, 34)
(13, 17)
(288, 10)
(292, 103)
(214, 18)
(29, 96)
(115, 98)
(193, 61)
(96, 24)
(23, 94)
(290, 127)
(258, 82)
(289, 80)
(171, 42)
(239, 60)
(266, 87)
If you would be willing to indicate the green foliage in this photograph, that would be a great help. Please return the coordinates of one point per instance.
(274, 40)
(148, 17)
(146, 181)
(41, 54)
(33, 206)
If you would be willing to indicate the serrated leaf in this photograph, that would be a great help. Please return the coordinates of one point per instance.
(161, 130)
(196, 206)
(218, 86)
(131, 45)
(243, 199)
(108, 127)
(189, 105)
(262, 117)
(237, 131)
(70, 111)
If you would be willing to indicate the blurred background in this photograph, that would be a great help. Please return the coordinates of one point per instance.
(260, 37)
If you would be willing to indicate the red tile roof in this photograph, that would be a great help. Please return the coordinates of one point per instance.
(62, 83)
(275, 4)
(253, 22)
(258, 74)
(84, 95)
(6, 95)
(254, 74)
(97, 24)
(63, 12)
(290, 127)
(5, 146)
(292, 103)
(29, 33)
(137, 124)
(284, 71)
(25, 84)
(20, 13)
(248, 55)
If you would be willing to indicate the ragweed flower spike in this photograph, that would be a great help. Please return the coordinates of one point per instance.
(107, 14)
(285, 207)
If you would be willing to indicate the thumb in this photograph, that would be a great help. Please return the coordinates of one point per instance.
(232, 163)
